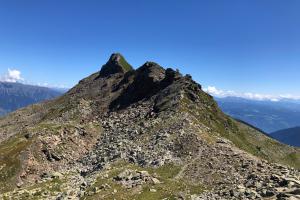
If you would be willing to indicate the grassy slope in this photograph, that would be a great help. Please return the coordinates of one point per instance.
(265, 147)
(169, 187)
(127, 67)
(243, 136)
(10, 161)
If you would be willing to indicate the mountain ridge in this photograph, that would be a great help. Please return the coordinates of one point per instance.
(138, 134)
(290, 136)
(17, 95)
(266, 115)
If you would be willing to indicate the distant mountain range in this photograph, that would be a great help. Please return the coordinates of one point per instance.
(266, 115)
(289, 136)
(278, 119)
(16, 95)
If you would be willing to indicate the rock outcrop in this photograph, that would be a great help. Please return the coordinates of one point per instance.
(115, 64)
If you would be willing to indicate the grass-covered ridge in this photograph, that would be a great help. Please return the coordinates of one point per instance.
(126, 66)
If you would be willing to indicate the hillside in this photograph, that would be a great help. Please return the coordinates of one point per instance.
(265, 115)
(16, 95)
(290, 136)
(149, 133)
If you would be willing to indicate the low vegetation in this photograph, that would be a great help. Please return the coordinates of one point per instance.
(169, 188)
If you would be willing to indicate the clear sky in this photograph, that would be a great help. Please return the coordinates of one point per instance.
(239, 45)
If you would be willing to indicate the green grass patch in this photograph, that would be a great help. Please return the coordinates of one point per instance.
(126, 66)
(242, 136)
(37, 191)
(10, 161)
(169, 187)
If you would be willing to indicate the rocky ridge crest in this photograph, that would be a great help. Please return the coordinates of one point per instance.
(135, 134)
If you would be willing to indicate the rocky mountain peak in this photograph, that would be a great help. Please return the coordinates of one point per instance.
(115, 64)
(151, 70)
(132, 134)
(115, 57)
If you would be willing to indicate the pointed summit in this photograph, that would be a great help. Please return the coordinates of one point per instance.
(115, 64)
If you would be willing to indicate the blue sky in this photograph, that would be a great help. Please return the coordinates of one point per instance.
(237, 45)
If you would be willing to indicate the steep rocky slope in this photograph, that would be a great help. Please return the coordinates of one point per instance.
(148, 133)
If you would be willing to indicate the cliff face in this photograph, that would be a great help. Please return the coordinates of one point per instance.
(148, 133)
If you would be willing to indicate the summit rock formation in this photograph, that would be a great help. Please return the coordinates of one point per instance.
(149, 133)
(115, 64)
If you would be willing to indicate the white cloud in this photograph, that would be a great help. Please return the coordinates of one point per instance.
(12, 76)
(212, 90)
(219, 93)
(56, 86)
